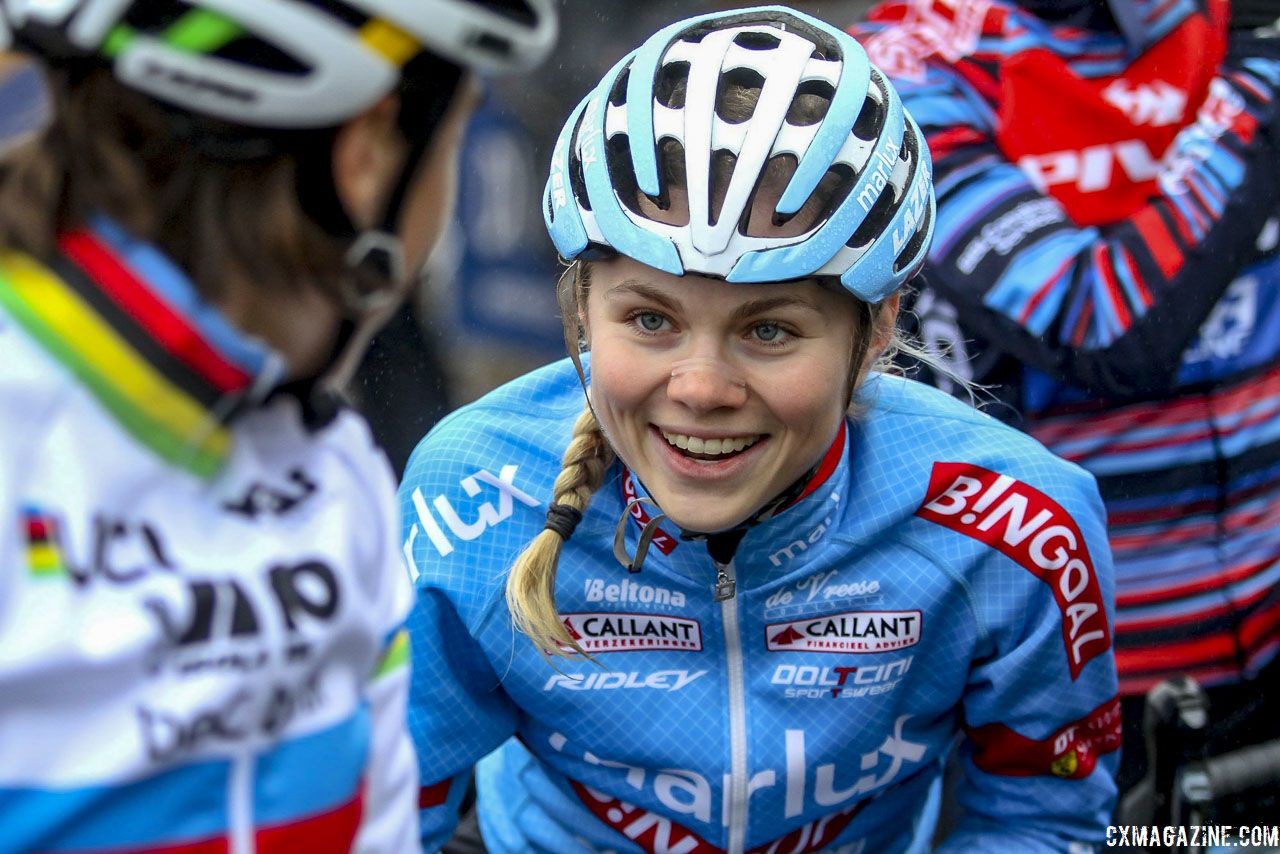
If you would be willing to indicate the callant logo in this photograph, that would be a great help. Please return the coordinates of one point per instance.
(1035, 532)
(605, 632)
(851, 631)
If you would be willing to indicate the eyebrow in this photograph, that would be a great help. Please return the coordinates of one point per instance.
(639, 288)
(742, 312)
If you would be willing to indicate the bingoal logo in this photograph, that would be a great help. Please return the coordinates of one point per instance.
(1036, 532)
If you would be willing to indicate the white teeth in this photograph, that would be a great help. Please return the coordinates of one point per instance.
(696, 445)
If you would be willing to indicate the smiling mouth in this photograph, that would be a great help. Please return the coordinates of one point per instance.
(697, 448)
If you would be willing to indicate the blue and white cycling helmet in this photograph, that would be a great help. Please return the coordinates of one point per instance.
(875, 234)
(279, 64)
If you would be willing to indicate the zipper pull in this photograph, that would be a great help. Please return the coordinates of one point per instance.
(726, 586)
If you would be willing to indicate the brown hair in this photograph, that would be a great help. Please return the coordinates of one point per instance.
(115, 151)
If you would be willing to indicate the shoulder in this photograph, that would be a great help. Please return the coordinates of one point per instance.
(933, 445)
(1023, 531)
(476, 488)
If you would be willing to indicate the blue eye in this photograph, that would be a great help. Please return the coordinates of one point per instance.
(768, 332)
(650, 322)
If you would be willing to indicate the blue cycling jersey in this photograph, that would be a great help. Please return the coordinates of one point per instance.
(940, 574)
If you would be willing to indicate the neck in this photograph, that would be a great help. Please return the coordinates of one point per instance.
(301, 325)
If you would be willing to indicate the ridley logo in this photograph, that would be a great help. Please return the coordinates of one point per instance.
(1033, 530)
(601, 632)
(662, 680)
(851, 631)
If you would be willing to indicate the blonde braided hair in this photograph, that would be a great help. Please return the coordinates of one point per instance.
(531, 586)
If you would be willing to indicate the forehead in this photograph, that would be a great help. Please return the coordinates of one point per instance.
(624, 278)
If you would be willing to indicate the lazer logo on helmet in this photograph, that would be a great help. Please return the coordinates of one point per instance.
(1035, 532)
(914, 214)
(606, 632)
(852, 631)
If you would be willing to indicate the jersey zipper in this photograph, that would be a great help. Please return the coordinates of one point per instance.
(240, 818)
(726, 595)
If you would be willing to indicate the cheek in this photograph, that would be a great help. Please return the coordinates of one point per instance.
(809, 398)
(619, 384)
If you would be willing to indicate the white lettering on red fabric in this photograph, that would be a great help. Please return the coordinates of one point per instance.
(1035, 532)
(663, 541)
(1091, 169)
(1157, 103)
(947, 29)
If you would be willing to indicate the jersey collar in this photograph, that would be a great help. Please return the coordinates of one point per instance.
(167, 366)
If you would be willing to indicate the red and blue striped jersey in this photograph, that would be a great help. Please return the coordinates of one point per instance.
(1106, 252)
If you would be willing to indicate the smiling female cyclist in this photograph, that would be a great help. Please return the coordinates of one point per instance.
(747, 596)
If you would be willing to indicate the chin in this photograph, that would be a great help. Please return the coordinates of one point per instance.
(701, 522)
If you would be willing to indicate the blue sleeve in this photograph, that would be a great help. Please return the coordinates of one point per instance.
(1108, 308)
(465, 518)
(1041, 716)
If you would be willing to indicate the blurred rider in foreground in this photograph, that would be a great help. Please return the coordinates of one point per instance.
(201, 593)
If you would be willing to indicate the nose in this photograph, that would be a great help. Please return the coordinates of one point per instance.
(706, 384)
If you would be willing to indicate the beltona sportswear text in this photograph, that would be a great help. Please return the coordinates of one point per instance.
(201, 597)
(941, 572)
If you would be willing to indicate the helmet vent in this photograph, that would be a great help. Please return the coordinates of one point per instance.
(737, 94)
(755, 40)
(871, 118)
(876, 221)
(811, 102)
(672, 83)
(917, 240)
(618, 95)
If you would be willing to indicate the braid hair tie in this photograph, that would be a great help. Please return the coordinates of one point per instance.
(563, 519)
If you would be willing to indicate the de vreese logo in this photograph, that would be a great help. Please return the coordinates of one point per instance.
(1033, 530)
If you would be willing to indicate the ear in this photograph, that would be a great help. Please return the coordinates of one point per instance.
(886, 320)
(366, 156)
